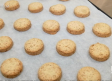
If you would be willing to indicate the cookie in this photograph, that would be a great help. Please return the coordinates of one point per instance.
(51, 26)
(88, 74)
(11, 68)
(34, 46)
(82, 11)
(1, 24)
(102, 30)
(58, 9)
(66, 47)
(22, 24)
(11, 5)
(49, 72)
(6, 43)
(75, 27)
(99, 52)
(35, 7)
(64, 0)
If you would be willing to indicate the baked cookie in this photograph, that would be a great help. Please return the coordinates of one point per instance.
(102, 30)
(1, 23)
(34, 46)
(35, 7)
(58, 9)
(88, 74)
(51, 26)
(11, 68)
(99, 52)
(82, 11)
(64, 0)
(22, 24)
(75, 27)
(6, 43)
(66, 47)
(11, 5)
(49, 72)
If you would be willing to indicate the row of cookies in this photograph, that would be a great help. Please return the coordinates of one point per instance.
(12, 67)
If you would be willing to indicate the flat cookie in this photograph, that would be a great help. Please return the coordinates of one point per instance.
(35, 7)
(82, 11)
(99, 52)
(49, 72)
(1, 24)
(11, 5)
(75, 27)
(66, 47)
(88, 74)
(6, 43)
(11, 68)
(58, 9)
(34, 46)
(102, 30)
(22, 24)
(51, 26)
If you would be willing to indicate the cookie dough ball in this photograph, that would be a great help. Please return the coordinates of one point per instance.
(51, 26)
(1, 24)
(99, 52)
(35, 7)
(75, 27)
(11, 5)
(6, 43)
(88, 74)
(58, 9)
(11, 68)
(22, 24)
(34, 46)
(66, 47)
(102, 30)
(49, 72)
(82, 11)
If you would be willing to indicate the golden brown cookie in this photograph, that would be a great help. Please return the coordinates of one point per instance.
(88, 74)
(82, 11)
(51, 26)
(11, 68)
(6, 43)
(75, 27)
(99, 52)
(34, 46)
(102, 30)
(22, 24)
(58, 9)
(1, 24)
(11, 5)
(66, 47)
(49, 72)
(35, 7)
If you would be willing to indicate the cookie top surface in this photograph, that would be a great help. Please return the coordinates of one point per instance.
(50, 72)
(88, 74)
(102, 30)
(1, 23)
(99, 52)
(11, 68)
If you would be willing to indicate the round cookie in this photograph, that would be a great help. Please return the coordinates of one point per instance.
(75, 27)
(35, 7)
(49, 72)
(102, 30)
(58, 9)
(88, 74)
(6, 43)
(66, 47)
(82, 11)
(1, 24)
(22, 24)
(11, 5)
(51, 26)
(34, 46)
(99, 52)
(11, 68)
